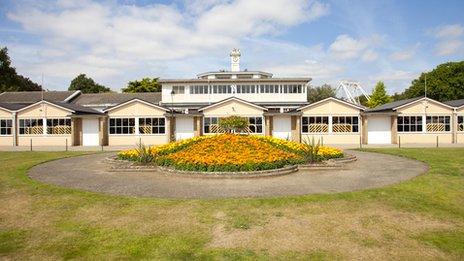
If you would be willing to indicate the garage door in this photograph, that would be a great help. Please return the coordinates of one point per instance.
(379, 130)
(184, 128)
(282, 127)
(90, 132)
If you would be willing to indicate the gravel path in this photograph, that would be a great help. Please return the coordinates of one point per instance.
(89, 172)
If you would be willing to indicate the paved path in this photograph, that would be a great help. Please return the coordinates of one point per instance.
(89, 172)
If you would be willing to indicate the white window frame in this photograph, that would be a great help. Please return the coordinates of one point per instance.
(315, 116)
(423, 124)
(11, 128)
(157, 126)
(56, 118)
(44, 126)
(136, 127)
(457, 122)
(331, 123)
(178, 89)
(225, 116)
(432, 119)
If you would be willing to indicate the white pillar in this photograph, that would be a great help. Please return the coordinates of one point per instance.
(330, 123)
(424, 124)
(44, 123)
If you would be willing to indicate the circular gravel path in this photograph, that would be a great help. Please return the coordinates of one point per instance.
(90, 172)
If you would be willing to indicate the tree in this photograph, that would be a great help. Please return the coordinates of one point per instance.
(319, 93)
(233, 124)
(379, 96)
(444, 83)
(144, 85)
(10, 80)
(86, 85)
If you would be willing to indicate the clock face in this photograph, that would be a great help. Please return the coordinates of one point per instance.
(235, 59)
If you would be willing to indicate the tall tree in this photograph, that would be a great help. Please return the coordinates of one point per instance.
(10, 80)
(445, 82)
(144, 85)
(379, 96)
(86, 85)
(321, 92)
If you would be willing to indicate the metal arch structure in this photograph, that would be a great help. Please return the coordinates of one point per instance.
(352, 90)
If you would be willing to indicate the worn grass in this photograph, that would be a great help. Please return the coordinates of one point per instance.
(419, 219)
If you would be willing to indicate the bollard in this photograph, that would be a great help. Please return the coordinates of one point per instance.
(399, 141)
(102, 147)
(437, 141)
(360, 142)
(66, 144)
(31, 144)
(322, 141)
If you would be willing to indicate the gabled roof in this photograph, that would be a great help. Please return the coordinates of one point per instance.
(135, 100)
(111, 98)
(455, 103)
(35, 96)
(393, 106)
(332, 99)
(232, 99)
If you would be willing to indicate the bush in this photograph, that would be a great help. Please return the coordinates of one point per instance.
(233, 124)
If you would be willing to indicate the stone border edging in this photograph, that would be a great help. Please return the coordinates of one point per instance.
(233, 175)
(118, 165)
(336, 163)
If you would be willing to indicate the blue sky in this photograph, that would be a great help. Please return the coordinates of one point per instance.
(118, 41)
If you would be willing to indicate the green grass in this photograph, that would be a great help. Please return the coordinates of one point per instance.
(420, 218)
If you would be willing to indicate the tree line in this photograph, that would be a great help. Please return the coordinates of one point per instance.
(445, 82)
(10, 81)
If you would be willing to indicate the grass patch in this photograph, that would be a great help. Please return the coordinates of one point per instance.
(448, 241)
(418, 219)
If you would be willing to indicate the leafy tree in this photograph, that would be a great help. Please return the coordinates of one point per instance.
(444, 83)
(319, 93)
(379, 96)
(398, 96)
(144, 85)
(10, 80)
(86, 85)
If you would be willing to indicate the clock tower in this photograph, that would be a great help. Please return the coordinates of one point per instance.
(235, 60)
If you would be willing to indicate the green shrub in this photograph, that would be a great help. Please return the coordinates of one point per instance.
(233, 124)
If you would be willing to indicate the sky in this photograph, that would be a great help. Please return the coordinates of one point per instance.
(119, 41)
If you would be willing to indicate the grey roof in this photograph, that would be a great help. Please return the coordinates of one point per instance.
(390, 106)
(111, 98)
(13, 106)
(77, 108)
(455, 103)
(34, 96)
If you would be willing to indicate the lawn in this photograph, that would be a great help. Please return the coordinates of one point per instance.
(418, 219)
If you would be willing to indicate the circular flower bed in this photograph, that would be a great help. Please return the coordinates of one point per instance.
(228, 153)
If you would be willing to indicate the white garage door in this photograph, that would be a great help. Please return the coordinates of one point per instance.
(282, 127)
(379, 130)
(184, 128)
(90, 133)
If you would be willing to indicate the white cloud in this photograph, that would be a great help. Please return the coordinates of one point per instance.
(448, 31)
(346, 47)
(405, 54)
(107, 39)
(450, 40)
(309, 68)
(450, 47)
(369, 56)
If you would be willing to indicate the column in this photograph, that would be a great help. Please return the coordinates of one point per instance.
(454, 127)
(296, 128)
(364, 132)
(268, 125)
(394, 129)
(103, 131)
